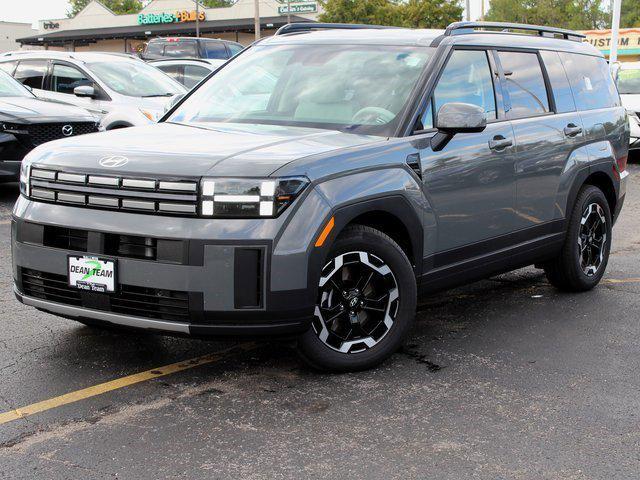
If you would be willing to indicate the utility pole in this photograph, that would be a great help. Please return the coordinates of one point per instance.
(197, 18)
(289, 11)
(256, 14)
(468, 10)
(615, 27)
(482, 10)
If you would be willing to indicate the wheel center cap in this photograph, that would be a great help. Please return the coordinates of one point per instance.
(353, 302)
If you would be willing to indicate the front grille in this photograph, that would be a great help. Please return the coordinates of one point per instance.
(129, 300)
(141, 195)
(40, 133)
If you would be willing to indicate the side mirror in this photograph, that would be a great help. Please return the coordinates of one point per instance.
(455, 117)
(85, 91)
(175, 99)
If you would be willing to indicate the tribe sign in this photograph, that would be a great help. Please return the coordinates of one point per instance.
(181, 16)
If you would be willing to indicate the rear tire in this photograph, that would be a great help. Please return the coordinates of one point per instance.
(585, 253)
(366, 303)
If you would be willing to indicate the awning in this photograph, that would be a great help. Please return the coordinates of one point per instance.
(91, 35)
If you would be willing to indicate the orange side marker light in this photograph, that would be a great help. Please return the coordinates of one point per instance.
(325, 232)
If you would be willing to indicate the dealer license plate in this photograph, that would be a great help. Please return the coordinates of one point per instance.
(92, 274)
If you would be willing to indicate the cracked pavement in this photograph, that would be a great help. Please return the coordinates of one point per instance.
(504, 378)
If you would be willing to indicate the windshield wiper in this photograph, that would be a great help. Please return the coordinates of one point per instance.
(168, 94)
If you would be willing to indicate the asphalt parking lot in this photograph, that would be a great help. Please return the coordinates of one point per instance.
(505, 378)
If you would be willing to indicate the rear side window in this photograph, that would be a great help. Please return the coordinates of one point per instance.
(525, 84)
(193, 74)
(559, 84)
(181, 50)
(31, 72)
(215, 50)
(234, 48)
(8, 67)
(466, 78)
(591, 81)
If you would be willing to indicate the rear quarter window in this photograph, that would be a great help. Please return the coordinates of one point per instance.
(591, 81)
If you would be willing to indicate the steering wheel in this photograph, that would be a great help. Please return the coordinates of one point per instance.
(373, 116)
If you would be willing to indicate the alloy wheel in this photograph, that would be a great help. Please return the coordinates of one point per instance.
(592, 239)
(358, 301)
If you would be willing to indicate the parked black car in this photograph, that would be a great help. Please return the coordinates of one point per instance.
(190, 47)
(27, 121)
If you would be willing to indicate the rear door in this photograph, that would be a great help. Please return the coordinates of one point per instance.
(470, 182)
(547, 129)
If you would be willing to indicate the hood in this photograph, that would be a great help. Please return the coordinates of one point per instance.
(631, 102)
(168, 149)
(28, 109)
(154, 103)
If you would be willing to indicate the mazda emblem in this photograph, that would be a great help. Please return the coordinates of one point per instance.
(67, 130)
(113, 161)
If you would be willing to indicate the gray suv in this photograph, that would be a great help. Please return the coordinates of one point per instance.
(317, 196)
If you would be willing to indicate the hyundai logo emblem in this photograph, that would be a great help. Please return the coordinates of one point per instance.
(67, 130)
(113, 161)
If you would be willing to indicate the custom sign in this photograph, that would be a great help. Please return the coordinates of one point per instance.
(628, 40)
(180, 16)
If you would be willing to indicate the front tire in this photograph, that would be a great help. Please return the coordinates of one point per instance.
(585, 254)
(366, 303)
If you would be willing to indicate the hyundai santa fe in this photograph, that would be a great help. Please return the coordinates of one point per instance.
(361, 168)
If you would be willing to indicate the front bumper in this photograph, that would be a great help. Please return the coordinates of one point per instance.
(181, 275)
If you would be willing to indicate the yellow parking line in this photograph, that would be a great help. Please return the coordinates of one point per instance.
(621, 280)
(101, 388)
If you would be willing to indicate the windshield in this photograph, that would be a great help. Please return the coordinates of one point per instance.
(629, 81)
(356, 88)
(11, 88)
(135, 79)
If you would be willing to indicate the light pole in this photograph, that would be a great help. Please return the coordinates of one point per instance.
(256, 14)
(468, 9)
(197, 18)
(615, 27)
(289, 11)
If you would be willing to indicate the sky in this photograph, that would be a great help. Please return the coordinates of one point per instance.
(30, 11)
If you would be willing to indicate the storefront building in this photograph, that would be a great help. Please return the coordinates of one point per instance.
(96, 28)
(628, 43)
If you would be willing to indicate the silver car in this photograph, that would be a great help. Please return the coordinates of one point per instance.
(122, 91)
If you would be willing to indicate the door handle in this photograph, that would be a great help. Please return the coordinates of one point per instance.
(572, 130)
(499, 143)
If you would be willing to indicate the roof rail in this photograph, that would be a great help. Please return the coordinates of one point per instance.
(462, 28)
(301, 27)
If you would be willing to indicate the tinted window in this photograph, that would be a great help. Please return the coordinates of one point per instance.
(174, 71)
(193, 74)
(65, 78)
(525, 84)
(466, 79)
(234, 48)
(590, 81)
(215, 50)
(8, 67)
(559, 84)
(181, 50)
(31, 72)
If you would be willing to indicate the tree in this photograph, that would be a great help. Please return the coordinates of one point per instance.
(399, 13)
(630, 14)
(574, 14)
(116, 6)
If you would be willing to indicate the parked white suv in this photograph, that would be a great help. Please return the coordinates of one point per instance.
(628, 80)
(121, 90)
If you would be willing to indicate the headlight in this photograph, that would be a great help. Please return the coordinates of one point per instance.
(25, 175)
(152, 115)
(252, 198)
